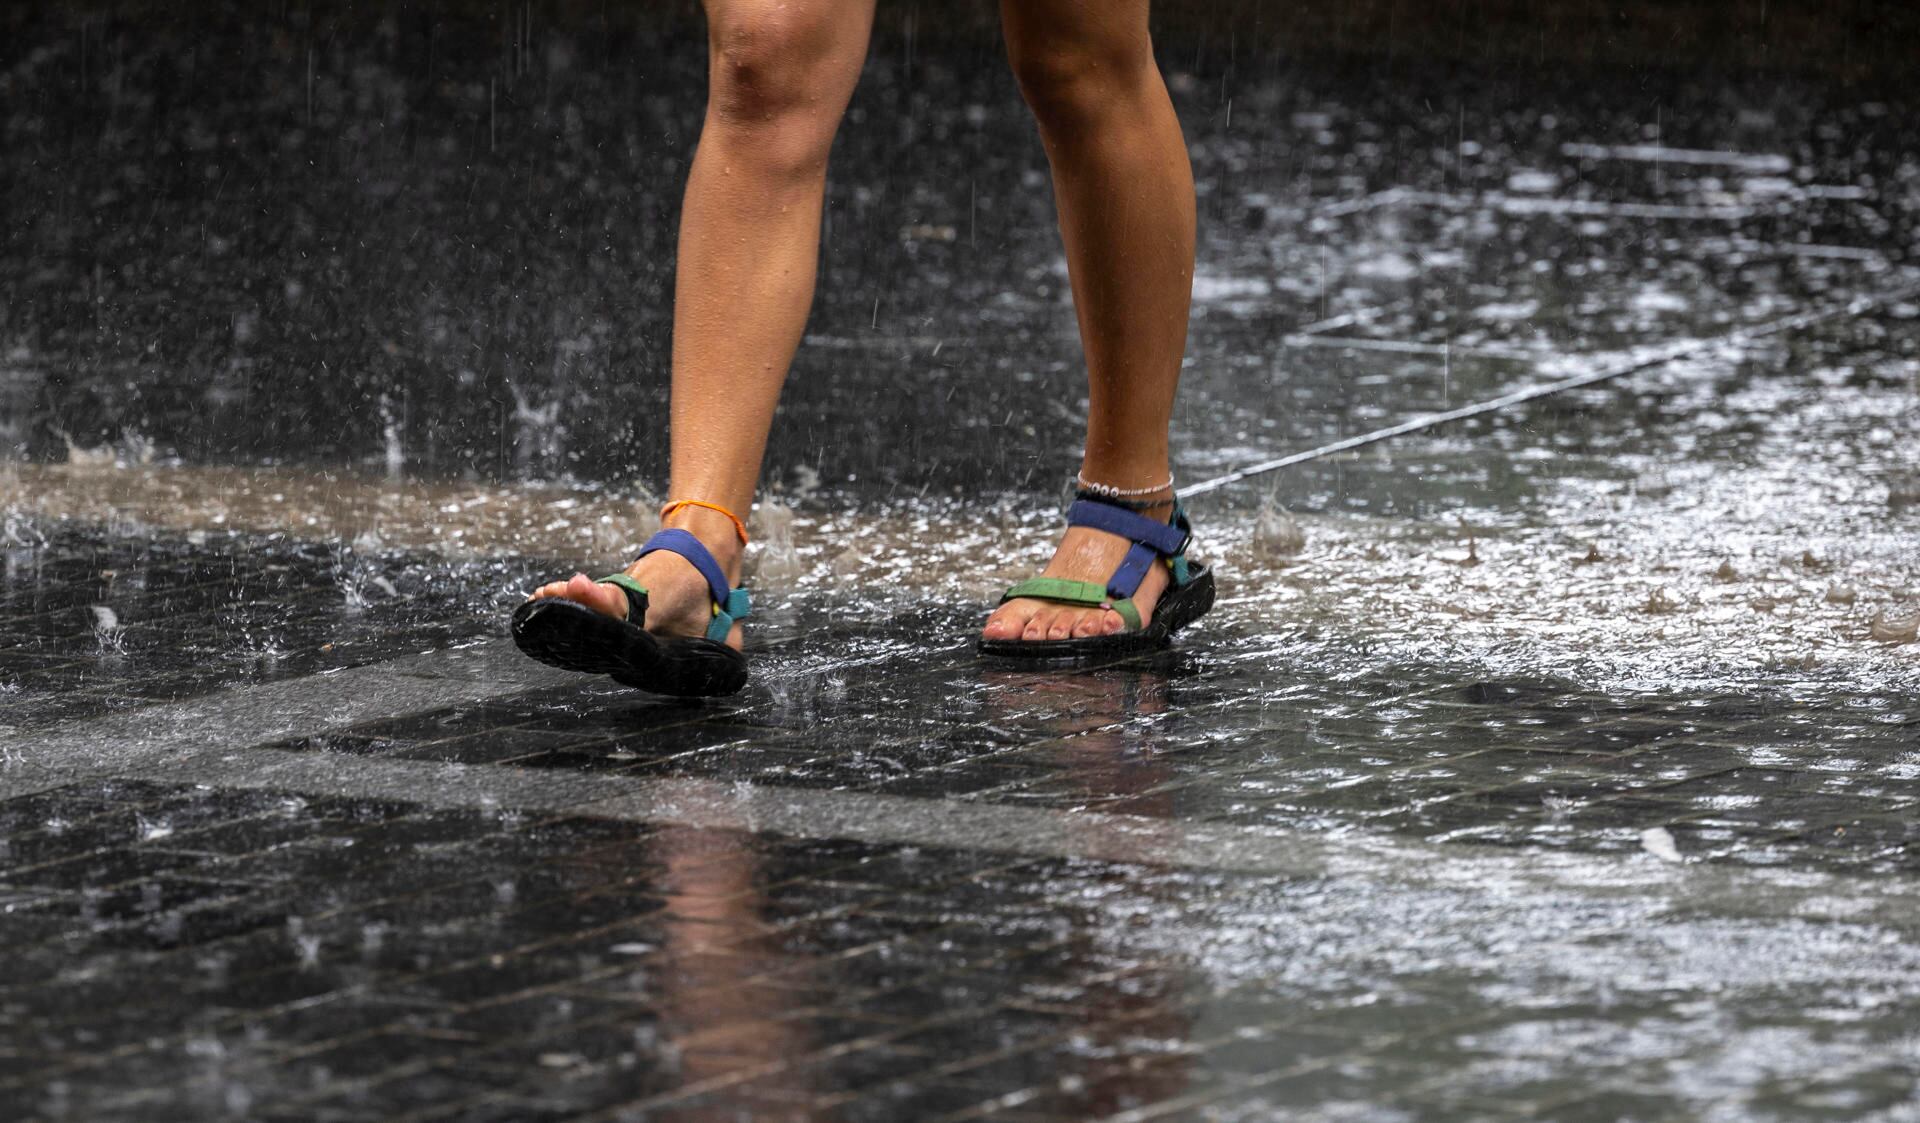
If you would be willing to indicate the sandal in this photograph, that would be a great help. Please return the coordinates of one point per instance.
(569, 635)
(1187, 599)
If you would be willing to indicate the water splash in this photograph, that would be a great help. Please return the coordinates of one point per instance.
(353, 573)
(110, 636)
(1891, 626)
(393, 437)
(306, 945)
(539, 436)
(1276, 533)
(1658, 841)
(774, 559)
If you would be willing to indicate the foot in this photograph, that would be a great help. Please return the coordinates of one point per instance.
(678, 600)
(1085, 554)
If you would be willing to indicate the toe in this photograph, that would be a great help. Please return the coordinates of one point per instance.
(583, 590)
(601, 598)
(1003, 623)
(1091, 624)
(1037, 624)
(1062, 624)
(1008, 621)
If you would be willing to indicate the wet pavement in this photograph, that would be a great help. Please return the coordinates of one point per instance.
(1562, 762)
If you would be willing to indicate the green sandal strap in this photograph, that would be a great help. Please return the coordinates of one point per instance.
(1059, 589)
(633, 588)
(1085, 593)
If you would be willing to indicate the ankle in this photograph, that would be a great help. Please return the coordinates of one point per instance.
(716, 532)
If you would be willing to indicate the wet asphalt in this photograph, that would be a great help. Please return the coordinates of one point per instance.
(1555, 763)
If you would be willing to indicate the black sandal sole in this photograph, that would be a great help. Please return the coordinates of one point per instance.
(565, 634)
(1176, 609)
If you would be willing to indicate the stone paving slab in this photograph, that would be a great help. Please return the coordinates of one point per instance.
(476, 961)
(1197, 742)
(456, 885)
(1217, 884)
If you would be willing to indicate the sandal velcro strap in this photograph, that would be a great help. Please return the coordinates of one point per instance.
(1060, 589)
(687, 546)
(729, 605)
(636, 593)
(1162, 538)
(1151, 540)
(1063, 590)
(735, 608)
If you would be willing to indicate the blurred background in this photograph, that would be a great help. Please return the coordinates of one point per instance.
(437, 240)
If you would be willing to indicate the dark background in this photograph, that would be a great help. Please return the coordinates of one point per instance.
(316, 233)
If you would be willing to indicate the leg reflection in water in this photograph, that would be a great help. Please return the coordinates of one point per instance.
(829, 980)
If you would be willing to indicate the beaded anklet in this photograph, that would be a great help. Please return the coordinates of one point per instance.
(1124, 498)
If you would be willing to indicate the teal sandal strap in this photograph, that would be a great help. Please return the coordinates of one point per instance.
(738, 607)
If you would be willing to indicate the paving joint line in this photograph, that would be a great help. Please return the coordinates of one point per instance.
(204, 741)
(1612, 367)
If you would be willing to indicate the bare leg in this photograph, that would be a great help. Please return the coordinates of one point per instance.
(781, 74)
(1124, 189)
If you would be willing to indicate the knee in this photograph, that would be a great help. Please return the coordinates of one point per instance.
(779, 75)
(1071, 86)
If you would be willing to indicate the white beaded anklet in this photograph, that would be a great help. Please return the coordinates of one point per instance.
(1113, 492)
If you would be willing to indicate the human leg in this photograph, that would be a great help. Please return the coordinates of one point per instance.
(1124, 190)
(781, 73)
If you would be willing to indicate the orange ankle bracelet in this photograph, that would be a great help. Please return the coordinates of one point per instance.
(739, 527)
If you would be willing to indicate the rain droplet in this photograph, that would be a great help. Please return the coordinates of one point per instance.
(1658, 841)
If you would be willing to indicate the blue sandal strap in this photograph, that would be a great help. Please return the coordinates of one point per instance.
(1151, 541)
(687, 546)
(1165, 539)
(729, 605)
(1133, 569)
